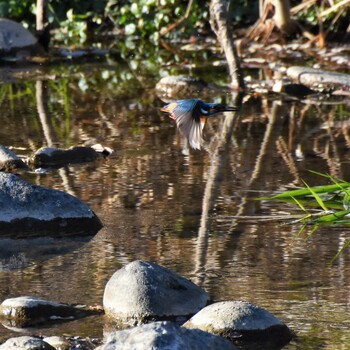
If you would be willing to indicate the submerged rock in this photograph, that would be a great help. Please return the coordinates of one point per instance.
(26, 343)
(240, 320)
(165, 336)
(141, 291)
(27, 209)
(10, 161)
(29, 311)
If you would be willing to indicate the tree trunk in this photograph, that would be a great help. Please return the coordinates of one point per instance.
(219, 24)
(42, 28)
(282, 17)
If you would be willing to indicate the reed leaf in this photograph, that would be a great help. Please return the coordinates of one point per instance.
(316, 196)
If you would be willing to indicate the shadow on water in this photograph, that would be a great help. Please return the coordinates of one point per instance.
(196, 212)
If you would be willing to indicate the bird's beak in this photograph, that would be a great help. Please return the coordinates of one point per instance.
(223, 108)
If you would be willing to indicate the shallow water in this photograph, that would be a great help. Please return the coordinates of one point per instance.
(194, 212)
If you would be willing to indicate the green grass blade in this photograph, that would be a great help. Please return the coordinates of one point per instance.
(313, 230)
(299, 204)
(340, 251)
(300, 231)
(333, 217)
(302, 192)
(316, 196)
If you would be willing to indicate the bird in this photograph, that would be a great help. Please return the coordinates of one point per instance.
(191, 115)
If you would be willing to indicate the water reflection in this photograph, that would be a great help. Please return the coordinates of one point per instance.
(193, 213)
(20, 253)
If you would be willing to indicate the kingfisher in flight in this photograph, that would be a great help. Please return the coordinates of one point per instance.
(191, 115)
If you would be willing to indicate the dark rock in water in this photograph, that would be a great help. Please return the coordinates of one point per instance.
(31, 311)
(56, 157)
(141, 291)
(165, 336)
(242, 321)
(26, 343)
(10, 161)
(31, 210)
(15, 39)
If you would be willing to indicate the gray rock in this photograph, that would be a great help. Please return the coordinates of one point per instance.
(30, 209)
(73, 343)
(14, 37)
(240, 320)
(142, 290)
(165, 336)
(29, 311)
(26, 343)
(181, 87)
(9, 160)
(59, 343)
(312, 76)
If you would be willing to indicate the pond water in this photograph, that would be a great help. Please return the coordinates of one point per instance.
(194, 212)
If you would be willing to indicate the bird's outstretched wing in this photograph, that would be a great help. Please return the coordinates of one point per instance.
(190, 122)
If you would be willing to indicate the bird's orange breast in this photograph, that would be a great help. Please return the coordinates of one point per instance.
(169, 109)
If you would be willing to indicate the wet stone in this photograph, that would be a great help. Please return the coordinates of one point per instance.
(60, 343)
(70, 343)
(30, 209)
(29, 311)
(26, 343)
(164, 336)
(242, 321)
(9, 160)
(143, 291)
(14, 38)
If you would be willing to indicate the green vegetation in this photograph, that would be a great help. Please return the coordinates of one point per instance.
(329, 204)
(76, 22)
(322, 205)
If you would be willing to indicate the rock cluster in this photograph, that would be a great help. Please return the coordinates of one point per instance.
(159, 302)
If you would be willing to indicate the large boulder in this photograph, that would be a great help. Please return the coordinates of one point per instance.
(242, 321)
(27, 209)
(15, 39)
(142, 291)
(165, 336)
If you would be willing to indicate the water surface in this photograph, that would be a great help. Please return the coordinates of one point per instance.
(194, 212)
